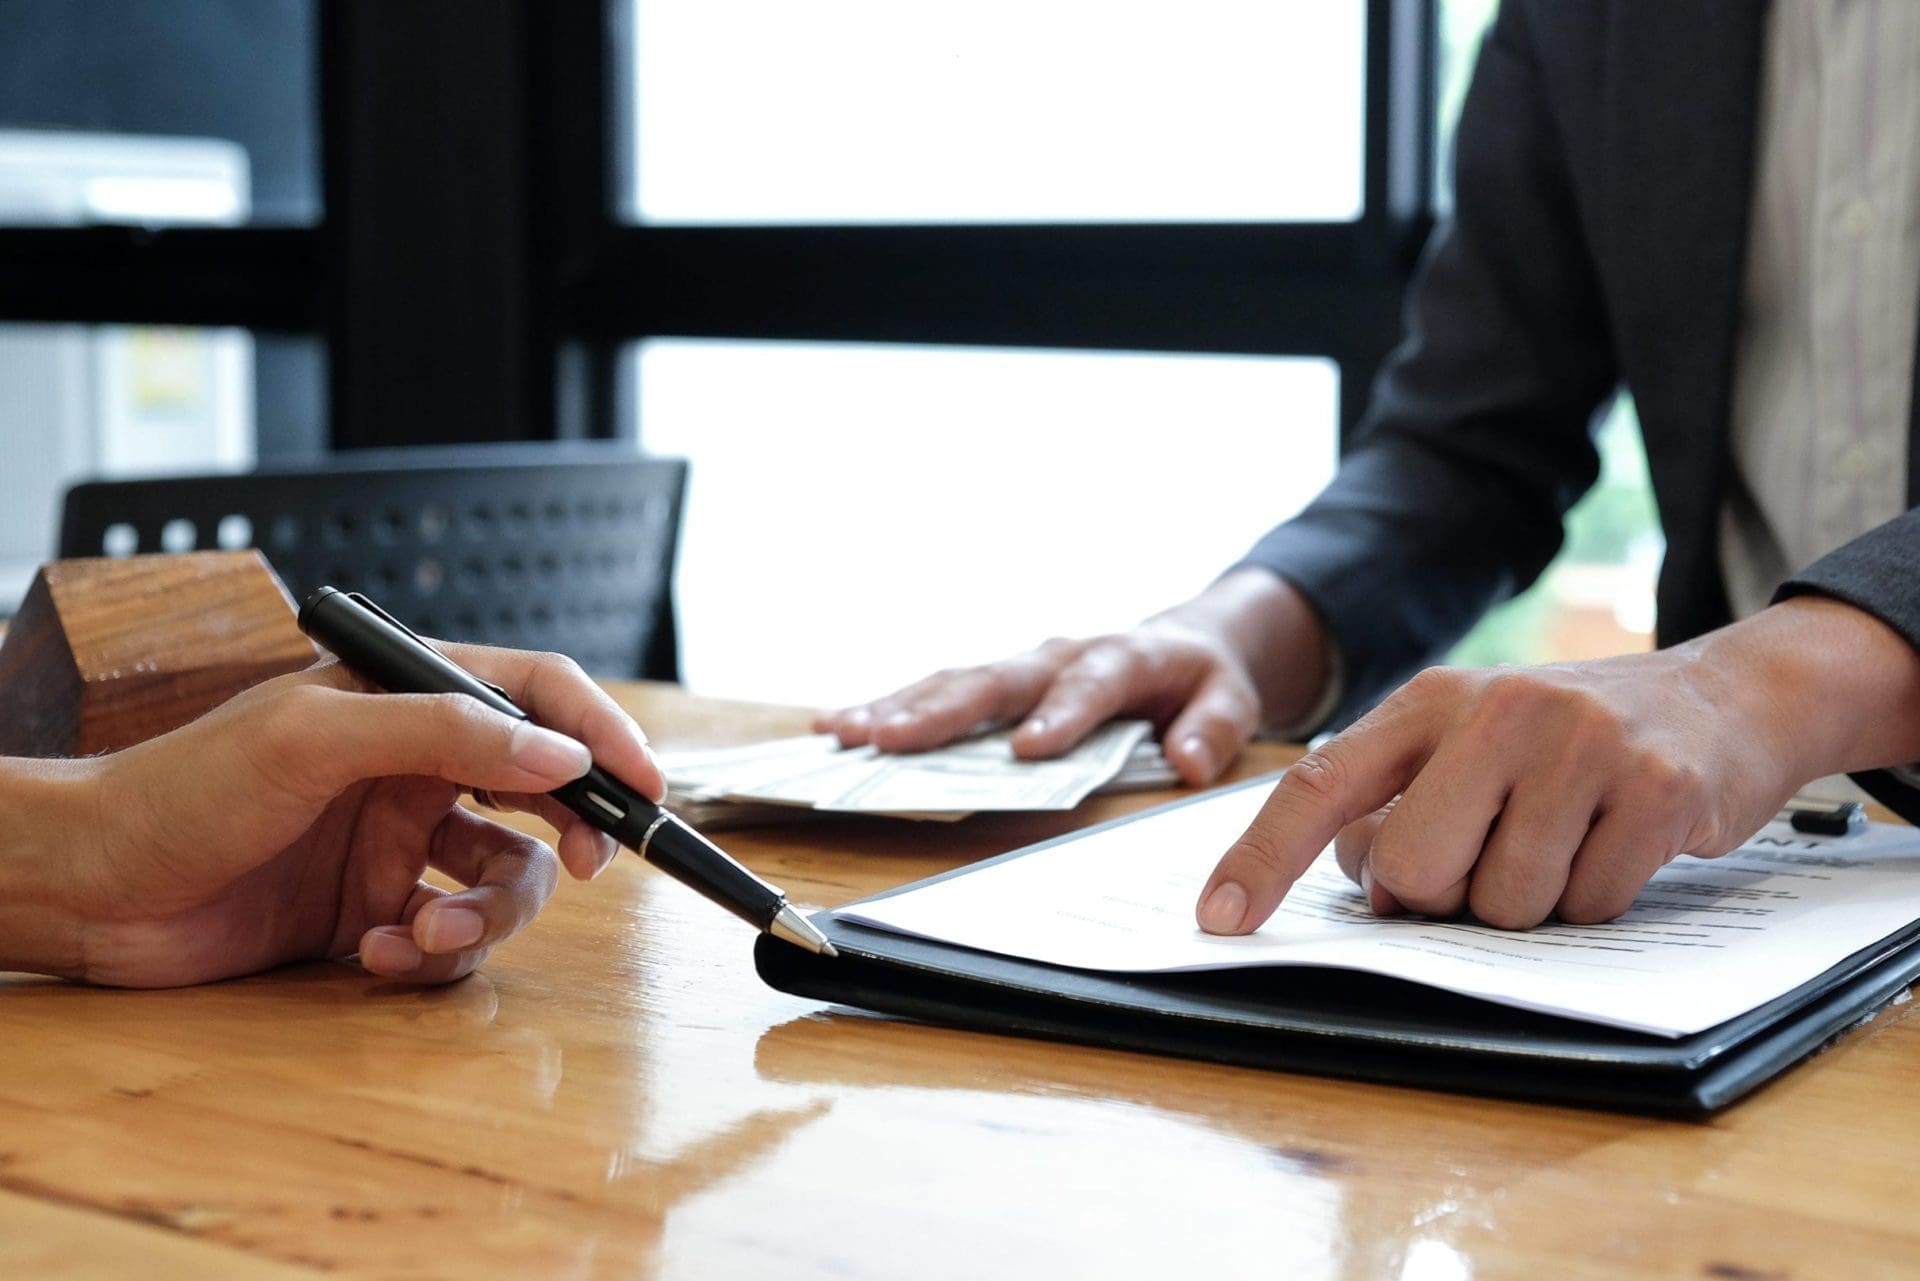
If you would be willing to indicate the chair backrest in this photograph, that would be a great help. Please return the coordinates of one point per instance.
(567, 546)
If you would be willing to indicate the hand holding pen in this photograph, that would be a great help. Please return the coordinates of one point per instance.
(294, 823)
(384, 650)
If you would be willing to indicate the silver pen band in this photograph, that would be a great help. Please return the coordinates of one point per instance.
(646, 838)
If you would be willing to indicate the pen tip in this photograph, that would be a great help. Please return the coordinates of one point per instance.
(798, 930)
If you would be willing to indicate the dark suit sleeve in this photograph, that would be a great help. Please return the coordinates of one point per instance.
(1878, 572)
(1478, 435)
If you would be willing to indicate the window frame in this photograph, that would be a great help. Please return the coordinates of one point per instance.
(1330, 289)
(473, 280)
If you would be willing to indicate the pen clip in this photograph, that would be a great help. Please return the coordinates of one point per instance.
(420, 640)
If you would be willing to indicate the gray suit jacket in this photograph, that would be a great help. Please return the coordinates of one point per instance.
(1604, 165)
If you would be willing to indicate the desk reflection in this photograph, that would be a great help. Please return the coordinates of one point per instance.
(617, 1096)
(1183, 1168)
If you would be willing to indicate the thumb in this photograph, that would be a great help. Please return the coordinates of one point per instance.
(1353, 850)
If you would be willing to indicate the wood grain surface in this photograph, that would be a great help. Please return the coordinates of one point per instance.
(616, 1095)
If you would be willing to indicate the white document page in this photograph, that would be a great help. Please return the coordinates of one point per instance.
(1708, 939)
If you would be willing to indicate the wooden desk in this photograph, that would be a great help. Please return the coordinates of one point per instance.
(616, 1095)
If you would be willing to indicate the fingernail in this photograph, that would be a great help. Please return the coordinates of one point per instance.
(1195, 749)
(666, 784)
(542, 751)
(1034, 725)
(641, 743)
(1389, 908)
(1223, 909)
(900, 718)
(389, 953)
(857, 716)
(608, 849)
(449, 929)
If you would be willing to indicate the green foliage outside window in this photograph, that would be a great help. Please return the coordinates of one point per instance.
(1615, 526)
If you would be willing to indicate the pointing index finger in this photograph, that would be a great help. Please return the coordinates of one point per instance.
(1328, 788)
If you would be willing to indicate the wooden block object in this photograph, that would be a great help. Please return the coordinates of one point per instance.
(107, 653)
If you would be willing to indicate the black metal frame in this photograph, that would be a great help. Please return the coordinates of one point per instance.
(474, 282)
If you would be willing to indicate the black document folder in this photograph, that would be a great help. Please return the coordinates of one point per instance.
(1342, 1023)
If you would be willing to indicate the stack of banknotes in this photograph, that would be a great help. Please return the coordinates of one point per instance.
(768, 782)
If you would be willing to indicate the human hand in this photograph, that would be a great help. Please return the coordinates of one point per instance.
(1207, 673)
(295, 821)
(1526, 792)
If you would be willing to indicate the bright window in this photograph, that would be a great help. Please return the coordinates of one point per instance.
(860, 515)
(875, 111)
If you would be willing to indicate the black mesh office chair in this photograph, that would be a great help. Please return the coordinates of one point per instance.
(567, 546)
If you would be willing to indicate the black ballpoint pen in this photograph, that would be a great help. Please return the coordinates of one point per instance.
(387, 652)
